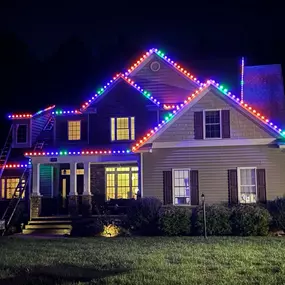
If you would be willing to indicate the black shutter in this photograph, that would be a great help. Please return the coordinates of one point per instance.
(233, 186)
(198, 125)
(226, 130)
(194, 187)
(261, 185)
(84, 130)
(167, 188)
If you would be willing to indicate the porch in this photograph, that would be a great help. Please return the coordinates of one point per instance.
(82, 185)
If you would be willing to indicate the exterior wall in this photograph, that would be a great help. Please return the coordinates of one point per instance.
(38, 123)
(61, 130)
(121, 101)
(241, 125)
(166, 84)
(213, 165)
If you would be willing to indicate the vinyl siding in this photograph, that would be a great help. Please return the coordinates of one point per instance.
(167, 85)
(242, 126)
(213, 165)
(38, 123)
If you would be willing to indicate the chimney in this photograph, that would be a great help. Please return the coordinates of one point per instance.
(263, 89)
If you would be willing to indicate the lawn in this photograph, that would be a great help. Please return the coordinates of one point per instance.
(159, 260)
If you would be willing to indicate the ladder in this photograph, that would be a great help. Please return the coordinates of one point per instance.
(23, 182)
(5, 152)
(16, 198)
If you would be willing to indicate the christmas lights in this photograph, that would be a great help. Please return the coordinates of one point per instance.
(221, 88)
(171, 106)
(44, 110)
(63, 112)
(20, 116)
(84, 152)
(14, 165)
(242, 79)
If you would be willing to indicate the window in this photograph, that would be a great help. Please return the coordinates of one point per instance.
(212, 124)
(22, 133)
(247, 185)
(8, 186)
(181, 186)
(121, 182)
(123, 128)
(74, 130)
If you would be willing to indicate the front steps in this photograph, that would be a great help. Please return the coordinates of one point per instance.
(48, 226)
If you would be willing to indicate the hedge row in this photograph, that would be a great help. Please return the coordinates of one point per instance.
(147, 216)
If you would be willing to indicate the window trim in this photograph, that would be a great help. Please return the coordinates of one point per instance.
(204, 124)
(239, 183)
(18, 125)
(79, 130)
(5, 190)
(173, 185)
(129, 126)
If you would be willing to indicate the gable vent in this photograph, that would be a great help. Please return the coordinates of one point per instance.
(155, 66)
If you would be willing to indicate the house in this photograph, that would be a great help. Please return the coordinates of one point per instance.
(153, 130)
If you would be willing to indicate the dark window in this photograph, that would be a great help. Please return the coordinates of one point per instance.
(212, 124)
(22, 133)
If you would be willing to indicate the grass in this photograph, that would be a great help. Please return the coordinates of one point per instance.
(157, 260)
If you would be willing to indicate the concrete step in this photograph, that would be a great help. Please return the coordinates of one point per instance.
(46, 231)
(48, 226)
(46, 222)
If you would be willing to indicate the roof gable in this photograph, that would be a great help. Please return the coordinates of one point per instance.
(193, 99)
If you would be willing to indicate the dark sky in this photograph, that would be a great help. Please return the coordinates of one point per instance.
(61, 51)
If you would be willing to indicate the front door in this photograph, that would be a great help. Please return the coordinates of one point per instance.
(121, 182)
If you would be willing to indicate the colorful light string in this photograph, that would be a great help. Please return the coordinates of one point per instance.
(242, 79)
(64, 112)
(84, 152)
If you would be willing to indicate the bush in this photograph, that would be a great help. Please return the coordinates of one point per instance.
(217, 218)
(87, 228)
(112, 230)
(175, 220)
(277, 211)
(143, 215)
(250, 220)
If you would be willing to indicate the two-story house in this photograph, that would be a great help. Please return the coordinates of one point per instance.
(154, 130)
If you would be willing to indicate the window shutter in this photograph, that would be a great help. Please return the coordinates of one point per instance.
(84, 130)
(194, 187)
(233, 186)
(261, 185)
(198, 125)
(226, 130)
(167, 187)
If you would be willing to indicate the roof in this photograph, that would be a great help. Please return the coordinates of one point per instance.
(191, 100)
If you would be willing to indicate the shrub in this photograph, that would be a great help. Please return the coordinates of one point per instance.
(143, 215)
(277, 211)
(250, 220)
(112, 230)
(217, 218)
(175, 220)
(87, 228)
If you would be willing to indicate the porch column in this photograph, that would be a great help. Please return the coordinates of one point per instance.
(72, 197)
(35, 198)
(87, 196)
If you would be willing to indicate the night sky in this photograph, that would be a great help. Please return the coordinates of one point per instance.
(61, 53)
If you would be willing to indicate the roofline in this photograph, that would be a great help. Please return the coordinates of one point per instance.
(192, 100)
(29, 115)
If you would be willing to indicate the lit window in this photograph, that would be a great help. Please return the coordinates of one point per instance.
(9, 186)
(123, 128)
(212, 124)
(247, 185)
(22, 134)
(121, 182)
(74, 130)
(181, 186)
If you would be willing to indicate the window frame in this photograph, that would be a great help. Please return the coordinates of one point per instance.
(70, 121)
(132, 136)
(4, 182)
(115, 171)
(173, 185)
(239, 184)
(204, 124)
(18, 125)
